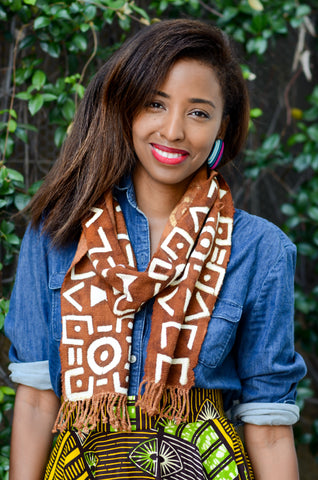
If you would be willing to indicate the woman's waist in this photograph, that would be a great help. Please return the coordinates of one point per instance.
(204, 404)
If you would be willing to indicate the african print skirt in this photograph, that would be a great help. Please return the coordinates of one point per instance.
(205, 447)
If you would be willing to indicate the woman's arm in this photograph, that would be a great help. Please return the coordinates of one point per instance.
(272, 452)
(34, 415)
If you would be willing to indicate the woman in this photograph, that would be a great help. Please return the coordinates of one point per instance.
(147, 301)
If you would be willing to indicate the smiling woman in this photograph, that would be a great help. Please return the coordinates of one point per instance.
(145, 305)
(174, 134)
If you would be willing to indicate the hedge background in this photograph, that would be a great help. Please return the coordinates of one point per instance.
(48, 53)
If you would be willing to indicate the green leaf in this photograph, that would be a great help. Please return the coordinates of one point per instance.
(63, 14)
(68, 110)
(13, 239)
(124, 22)
(15, 5)
(29, 2)
(21, 134)
(6, 227)
(302, 162)
(15, 175)
(271, 143)
(239, 35)
(59, 136)
(7, 390)
(288, 209)
(79, 89)
(9, 146)
(35, 187)
(313, 213)
(90, 12)
(21, 200)
(38, 79)
(27, 126)
(49, 97)
(228, 14)
(53, 49)
(84, 27)
(257, 45)
(313, 133)
(3, 15)
(12, 125)
(140, 11)
(12, 112)
(303, 10)
(80, 42)
(35, 104)
(297, 138)
(256, 112)
(23, 95)
(41, 22)
(27, 41)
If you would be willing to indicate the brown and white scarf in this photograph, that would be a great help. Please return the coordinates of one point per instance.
(103, 290)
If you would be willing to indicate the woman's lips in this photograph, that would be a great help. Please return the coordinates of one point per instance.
(167, 155)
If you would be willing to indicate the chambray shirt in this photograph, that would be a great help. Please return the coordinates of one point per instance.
(248, 351)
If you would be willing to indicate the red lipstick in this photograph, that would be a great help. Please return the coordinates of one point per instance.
(168, 155)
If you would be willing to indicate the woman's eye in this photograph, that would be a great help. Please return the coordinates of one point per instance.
(155, 105)
(200, 114)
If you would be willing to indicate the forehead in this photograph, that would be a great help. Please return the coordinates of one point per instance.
(192, 76)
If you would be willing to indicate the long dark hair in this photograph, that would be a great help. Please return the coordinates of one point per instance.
(99, 149)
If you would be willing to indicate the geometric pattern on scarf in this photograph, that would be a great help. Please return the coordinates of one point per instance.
(103, 289)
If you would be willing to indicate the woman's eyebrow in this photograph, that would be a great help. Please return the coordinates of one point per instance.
(202, 100)
(191, 100)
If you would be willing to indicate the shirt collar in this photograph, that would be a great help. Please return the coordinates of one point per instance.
(126, 186)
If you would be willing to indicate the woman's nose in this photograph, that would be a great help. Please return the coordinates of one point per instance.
(172, 127)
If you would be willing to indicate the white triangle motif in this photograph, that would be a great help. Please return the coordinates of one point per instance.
(194, 214)
(97, 295)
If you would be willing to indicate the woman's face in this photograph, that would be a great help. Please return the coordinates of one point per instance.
(174, 134)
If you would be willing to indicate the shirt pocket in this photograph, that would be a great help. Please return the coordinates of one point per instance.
(221, 333)
(55, 283)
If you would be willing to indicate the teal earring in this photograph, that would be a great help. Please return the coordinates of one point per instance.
(216, 154)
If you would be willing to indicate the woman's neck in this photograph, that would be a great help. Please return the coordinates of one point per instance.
(156, 201)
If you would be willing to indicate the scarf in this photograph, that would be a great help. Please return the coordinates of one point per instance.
(103, 290)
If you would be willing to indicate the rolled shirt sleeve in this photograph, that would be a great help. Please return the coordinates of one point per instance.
(32, 374)
(27, 323)
(265, 413)
(268, 366)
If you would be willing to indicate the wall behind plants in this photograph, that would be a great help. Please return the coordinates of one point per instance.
(50, 50)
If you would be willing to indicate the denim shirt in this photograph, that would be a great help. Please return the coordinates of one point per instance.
(248, 351)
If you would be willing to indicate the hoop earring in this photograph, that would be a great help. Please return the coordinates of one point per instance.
(216, 154)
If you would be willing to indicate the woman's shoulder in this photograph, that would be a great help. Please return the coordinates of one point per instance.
(258, 245)
(254, 230)
(38, 251)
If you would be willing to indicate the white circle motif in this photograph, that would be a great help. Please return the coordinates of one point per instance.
(205, 243)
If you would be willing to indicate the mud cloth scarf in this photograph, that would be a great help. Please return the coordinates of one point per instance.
(103, 289)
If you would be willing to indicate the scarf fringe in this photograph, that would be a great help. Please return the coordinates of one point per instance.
(109, 407)
(167, 402)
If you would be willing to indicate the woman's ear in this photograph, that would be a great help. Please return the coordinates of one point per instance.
(223, 127)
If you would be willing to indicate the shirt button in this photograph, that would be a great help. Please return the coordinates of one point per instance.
(133, 358)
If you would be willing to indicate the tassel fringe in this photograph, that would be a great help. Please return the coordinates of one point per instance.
(158, 399)
(85, 415)
(167, 402)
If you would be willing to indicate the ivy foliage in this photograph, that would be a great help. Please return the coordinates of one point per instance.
(55, 47)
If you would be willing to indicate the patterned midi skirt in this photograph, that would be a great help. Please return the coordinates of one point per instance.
(205, 447)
